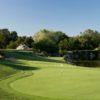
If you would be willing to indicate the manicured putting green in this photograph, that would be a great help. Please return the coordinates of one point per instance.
(61, 81)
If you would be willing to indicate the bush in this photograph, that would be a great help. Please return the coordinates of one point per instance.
(82, 55)
(2, 54)
(12, 45)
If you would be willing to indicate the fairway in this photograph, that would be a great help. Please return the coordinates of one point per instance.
(60, 81)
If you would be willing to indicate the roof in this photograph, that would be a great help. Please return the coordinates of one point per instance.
(23, 47)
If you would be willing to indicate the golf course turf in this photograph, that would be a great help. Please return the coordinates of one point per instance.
(47, 78)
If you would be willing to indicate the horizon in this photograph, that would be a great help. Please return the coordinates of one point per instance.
(29, 16)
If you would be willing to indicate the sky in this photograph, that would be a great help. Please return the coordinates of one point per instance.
(70, 16)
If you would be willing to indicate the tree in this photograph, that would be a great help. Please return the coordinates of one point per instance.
(20, 40)
(55, 36)
(63, 44)
(12, 45)
(46, 46)
(48, 40)
(4, 38)
(13, 35)
(89, 39)
(29, 41)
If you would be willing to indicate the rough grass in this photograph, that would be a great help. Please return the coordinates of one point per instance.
(38, 78)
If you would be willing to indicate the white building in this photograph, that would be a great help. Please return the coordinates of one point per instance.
(23, 47)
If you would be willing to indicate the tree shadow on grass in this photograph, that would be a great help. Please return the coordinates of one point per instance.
(30, 56)
(17, 66)
(43, 59)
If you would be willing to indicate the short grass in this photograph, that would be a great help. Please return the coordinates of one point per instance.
(46, 78)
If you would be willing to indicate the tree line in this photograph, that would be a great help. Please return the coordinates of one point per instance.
(49, 42)
(10, 40)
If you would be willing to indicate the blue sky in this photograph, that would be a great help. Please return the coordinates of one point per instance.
(69, 16)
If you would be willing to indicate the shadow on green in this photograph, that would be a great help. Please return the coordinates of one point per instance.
(27, 55)
(18, 66)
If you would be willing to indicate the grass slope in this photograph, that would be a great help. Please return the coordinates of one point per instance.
(12, 70)
(37, 78)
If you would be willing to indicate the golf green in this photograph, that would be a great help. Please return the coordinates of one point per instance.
(60, 81)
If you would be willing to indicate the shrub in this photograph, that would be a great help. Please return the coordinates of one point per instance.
(82, 55)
